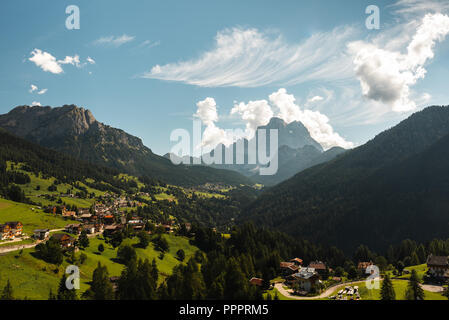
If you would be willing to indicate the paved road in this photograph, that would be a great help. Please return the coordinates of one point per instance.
(325, 294)
(17, 247)
(329, 291)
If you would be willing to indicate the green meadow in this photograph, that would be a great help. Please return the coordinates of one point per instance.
(33, 278)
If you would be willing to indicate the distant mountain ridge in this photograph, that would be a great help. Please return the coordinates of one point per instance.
(75, 131)
(394, 187)
(297, 151)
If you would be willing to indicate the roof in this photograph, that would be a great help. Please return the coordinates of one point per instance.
(256, 281)
(286, 264)
(13, 224)
(319, 265)
(437, 261)
(60, 236)
(296, 260)
(305, 273)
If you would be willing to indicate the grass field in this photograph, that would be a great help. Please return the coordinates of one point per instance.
(33, 278)
(31, 219)
(400, 287)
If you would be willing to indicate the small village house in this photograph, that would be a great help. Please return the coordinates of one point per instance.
(256, 282)
(307, 279)
(11, 230)
(288, 268)
(438, 267)
(41, 234)
(319, 266)
(65, 240)
(75, 228)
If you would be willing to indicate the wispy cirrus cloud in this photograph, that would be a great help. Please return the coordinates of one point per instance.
(251, 58)
(115, 41)
(413, 7)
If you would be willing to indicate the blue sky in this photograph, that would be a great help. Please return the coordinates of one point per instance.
(154, 61)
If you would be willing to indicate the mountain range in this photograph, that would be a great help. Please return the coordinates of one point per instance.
(296, 151)
(394, 187)
(75, 131)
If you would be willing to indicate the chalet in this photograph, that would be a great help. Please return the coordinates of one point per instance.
(288, 268)
(5, 232)
(85, 217)
(73, 228)
(307, 279)
(108, 219)
(256, 282)
(362, 266)
(111, 229)
(65, 240)
(69, 214)
(16, 228)
(438, 267)
(99, 227)
(297, 261)
(319, 267)
(89, 228)
(41, 234)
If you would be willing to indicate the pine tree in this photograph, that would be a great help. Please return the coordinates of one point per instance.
(7, 293)
(387, 291)
(101, 287)
(414, 290)
(83, 239)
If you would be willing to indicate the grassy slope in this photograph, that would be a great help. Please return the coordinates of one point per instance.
(31, 219)
(29, 279)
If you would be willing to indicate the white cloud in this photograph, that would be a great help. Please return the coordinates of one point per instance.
(35, 103)
(45, 61)
(90, 60)
(386, 76)
(413, 7)
(33, 88)
(148, 44)
(115, 41)
(254, 113)
(49, 63)
(315, 99)
(258, 113)
(316, 123)
(212, 135)
(250, 58)
(43, 91)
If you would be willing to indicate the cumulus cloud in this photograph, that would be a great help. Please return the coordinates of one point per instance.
(316, 123)
(36, 88)
(251, 58)
(36, 103)
(49, 63)
(212, 135)
(386, 76)
(258, 113)
(115, 41)
(254, 113)
(45, 61)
